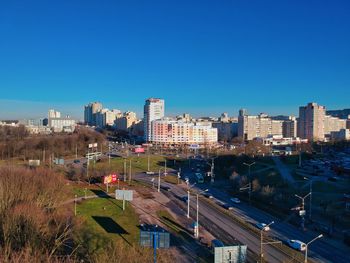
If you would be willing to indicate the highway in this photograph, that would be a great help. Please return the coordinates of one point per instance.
(213, 216)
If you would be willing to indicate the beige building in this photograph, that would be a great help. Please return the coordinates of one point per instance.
(170, 131)
(333, 124)
(261, 126)
(126, 121)
(311, 122)
(90, 112)
(106, 117)
(289, 128)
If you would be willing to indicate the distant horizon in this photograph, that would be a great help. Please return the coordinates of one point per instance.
(77, 111)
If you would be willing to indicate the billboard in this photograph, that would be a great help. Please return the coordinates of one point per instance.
(139, 150)
(109, 179)
(126, 195)
(33, 163)
(230, 254)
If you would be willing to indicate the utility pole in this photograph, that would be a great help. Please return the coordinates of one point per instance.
(249, 188)
(76, 151)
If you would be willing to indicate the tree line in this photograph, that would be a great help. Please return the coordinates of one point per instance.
(16, 142)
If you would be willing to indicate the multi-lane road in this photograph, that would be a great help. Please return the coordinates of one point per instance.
(320, 251)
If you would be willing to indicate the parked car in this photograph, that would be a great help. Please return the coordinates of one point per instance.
(262, 226)
(235, 200)
(76, 161)
(296, 244)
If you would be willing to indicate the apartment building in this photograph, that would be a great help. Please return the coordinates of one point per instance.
(90, 111)
(311, 122)
(171, 131)
(153, 110)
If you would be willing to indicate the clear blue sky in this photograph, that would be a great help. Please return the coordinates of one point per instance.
(202, 57)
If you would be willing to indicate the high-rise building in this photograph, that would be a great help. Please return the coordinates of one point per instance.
(90, 111)
(153, 110)
(311, 122)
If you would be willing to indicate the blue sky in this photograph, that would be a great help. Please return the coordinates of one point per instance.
(204, 57)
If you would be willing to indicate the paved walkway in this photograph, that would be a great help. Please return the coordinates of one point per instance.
(283, 169)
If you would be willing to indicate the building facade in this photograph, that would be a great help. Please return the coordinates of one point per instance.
(90, 111)
(171, 131)
(311, 122)
(153, 110)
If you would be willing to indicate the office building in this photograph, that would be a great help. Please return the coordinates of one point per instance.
(153, 110)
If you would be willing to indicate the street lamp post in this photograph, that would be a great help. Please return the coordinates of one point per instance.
(302, 211)
(188, 197)
(311, 182)
(250, 179)
(261, 240)
(307, 246)
(196, 234)
(159, 179)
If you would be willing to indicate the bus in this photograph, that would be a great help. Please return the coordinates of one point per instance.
(199, 178)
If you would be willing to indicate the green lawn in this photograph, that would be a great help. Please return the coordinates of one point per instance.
(106, 221)
(138, 164)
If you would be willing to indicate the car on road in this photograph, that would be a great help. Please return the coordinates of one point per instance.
(296, 244)
(235, 200)
(262, 226)
(150, 173)
(76, 161)
(227, 206)
(166, 188)
(184, 198)
(208, 195)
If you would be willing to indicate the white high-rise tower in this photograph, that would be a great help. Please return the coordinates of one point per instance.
(153, 110)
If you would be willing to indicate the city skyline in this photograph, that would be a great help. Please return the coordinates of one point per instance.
(202, 57)
(77, 111)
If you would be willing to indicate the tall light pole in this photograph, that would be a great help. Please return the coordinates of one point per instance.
(302, 211)
(159, 179)
(188, 197)
(307, 246)
(250, 179)
(124, 169)
(266, 228)
(196, 233)
(310, 209)
(249, 188)
(249, 165)
(130, 171)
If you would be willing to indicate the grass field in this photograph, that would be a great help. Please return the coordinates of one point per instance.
(106, 221)
(138, 164)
